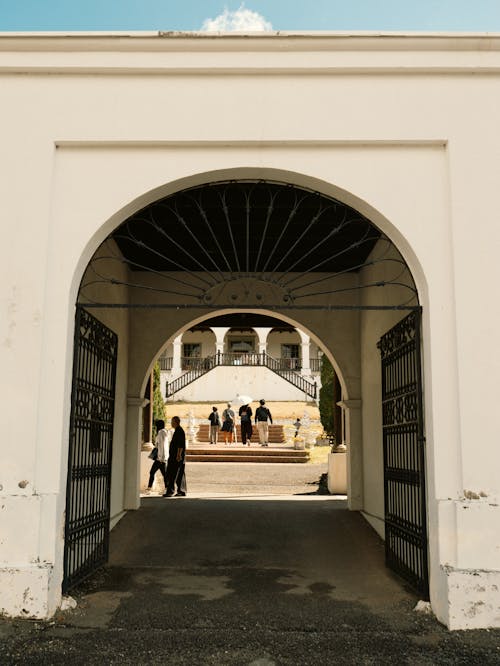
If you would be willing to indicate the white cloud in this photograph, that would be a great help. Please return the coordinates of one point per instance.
(241, 20)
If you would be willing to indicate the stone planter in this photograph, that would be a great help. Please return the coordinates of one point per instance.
(337, 473)
(299, 443)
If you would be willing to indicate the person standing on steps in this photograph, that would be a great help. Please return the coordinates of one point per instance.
(228, 424)
(214, 425)
(176, 473)
(245, 414)
(262, 419)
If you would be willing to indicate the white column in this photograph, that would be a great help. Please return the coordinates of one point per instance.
(132, 473)
(305, 343)
(176, 356)
(352, 439)
(262, 334)
(220, 334)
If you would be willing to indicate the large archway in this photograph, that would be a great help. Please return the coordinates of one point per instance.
(263, 246)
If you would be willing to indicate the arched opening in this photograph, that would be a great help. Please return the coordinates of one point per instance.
(258, 246)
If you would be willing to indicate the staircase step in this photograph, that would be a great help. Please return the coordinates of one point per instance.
(245, 450)
(276, 433)
(251, 459)
(258, 454)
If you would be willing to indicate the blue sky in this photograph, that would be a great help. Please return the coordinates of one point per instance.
(422, 15)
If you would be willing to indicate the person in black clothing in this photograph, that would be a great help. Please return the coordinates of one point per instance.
(262, 416)
(214, 425)
(245, 413)
(176, 474)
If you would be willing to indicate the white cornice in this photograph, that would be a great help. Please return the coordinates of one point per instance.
(249, 54)
(89, 144)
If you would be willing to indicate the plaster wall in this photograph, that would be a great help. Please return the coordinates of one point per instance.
(374, 323)
(204, 338)
(117, 321)
(119, 123)
(223, 383)
(277, 338)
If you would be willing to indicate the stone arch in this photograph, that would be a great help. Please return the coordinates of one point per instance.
(141, 378)
(158, 191)
(341, 352)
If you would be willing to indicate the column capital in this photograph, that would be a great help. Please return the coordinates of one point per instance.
(220, 333)
(305, 339)
(136, 401)
(350, 404)
(262, 333)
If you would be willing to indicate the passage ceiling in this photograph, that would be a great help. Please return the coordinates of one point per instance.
(247, 244)
(247, 227)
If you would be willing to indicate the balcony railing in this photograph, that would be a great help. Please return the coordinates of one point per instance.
(189, 363)
(315, 364)
(196, 367)
(165, 362)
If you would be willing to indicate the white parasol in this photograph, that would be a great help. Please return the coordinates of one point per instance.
(242, 400)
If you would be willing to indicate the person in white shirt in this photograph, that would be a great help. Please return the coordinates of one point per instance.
(161, 443)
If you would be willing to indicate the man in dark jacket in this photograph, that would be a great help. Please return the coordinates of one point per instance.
(262, 419)
(176, 475)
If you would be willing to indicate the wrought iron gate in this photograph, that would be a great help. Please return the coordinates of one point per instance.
(90, 448)
(404, 453)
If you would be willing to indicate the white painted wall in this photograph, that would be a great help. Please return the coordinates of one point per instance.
(277, 338)
(422, 164)
(225, 382)
(204, 338)
(373, 325)
(117, 321)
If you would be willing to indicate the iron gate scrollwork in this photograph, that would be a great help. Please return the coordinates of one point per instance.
(90, 448)
(404, 453)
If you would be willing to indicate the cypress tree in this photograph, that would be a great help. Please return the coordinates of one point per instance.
(158, 402)
(327, 397)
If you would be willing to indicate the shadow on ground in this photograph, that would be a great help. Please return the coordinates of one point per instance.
(215, 582)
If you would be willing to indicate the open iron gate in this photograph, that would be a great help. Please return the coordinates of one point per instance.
(90, 447)
(404, 453)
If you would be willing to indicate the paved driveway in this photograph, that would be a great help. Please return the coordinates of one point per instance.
(252, 581)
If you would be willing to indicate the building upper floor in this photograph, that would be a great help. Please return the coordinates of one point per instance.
(243, 339)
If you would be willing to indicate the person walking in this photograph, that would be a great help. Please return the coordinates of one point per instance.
(162, 439)
(262, 419)
(176, 473)
(214, 425)
(297, 425)
(228, 424)
(245, 414)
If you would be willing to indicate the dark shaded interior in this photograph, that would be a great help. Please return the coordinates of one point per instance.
(244, 321)
(246, 228)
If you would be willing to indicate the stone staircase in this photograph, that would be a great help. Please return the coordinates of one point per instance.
(276, 434)
(277, 452)
(200, 366)
(239, 453)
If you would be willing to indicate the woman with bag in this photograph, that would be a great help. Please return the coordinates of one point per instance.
(159, 459)
(228, 424)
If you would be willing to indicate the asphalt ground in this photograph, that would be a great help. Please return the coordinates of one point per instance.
(256, 579)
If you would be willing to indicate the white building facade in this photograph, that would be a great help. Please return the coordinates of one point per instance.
(400, 129)
(204, 364)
